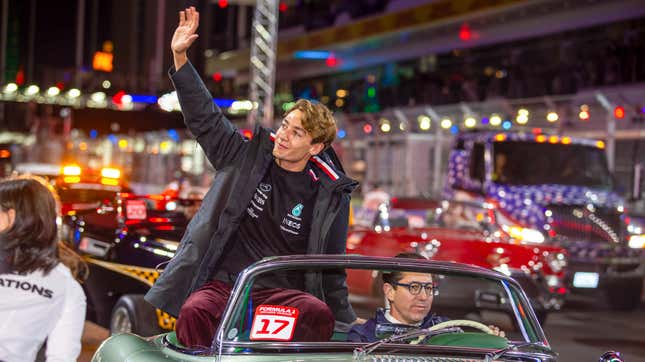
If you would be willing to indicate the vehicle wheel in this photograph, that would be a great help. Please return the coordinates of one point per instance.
(132, 314)
(625, 294)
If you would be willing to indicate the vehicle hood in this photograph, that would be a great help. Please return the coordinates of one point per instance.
(526, 204)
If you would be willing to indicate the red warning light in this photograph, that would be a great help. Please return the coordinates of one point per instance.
(217, 76)
(283, 6)
(222, 3)
(331, 61)
(118, 97)
(465, 33)
(619, 112)
(367, 128)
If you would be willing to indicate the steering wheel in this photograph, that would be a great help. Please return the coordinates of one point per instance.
(462, 323)
(456, 323)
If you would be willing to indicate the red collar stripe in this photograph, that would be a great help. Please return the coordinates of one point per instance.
(313, 175)
(325, 167)
(272, 136)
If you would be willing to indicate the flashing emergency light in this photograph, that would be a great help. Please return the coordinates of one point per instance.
(71, 170)
(619, 112)
(110, 172)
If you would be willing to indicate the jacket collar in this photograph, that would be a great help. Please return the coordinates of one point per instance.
(321, 167)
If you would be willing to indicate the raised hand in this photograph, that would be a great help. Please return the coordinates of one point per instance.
(184, 35)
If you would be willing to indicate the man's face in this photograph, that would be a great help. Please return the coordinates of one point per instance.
(293, 145)
(405, 306)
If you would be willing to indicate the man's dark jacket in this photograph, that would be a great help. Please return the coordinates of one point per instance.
(366, 332)
(240, 166)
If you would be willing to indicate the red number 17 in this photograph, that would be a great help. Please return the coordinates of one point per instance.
(265, 326)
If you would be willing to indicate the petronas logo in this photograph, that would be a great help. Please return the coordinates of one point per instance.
(297, 210)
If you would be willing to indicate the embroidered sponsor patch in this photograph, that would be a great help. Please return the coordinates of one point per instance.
(274, 323)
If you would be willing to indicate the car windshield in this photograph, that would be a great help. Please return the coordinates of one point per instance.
(394, 300)
(561, 164)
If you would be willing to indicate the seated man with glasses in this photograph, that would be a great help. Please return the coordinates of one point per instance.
(410, 298)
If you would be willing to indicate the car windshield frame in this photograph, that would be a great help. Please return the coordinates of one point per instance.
(567, 172)
(221, 345)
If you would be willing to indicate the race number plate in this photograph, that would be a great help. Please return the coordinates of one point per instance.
(274, 323)
(585, 280)
(135, 209)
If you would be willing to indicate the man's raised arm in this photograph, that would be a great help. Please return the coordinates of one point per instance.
(184, 36)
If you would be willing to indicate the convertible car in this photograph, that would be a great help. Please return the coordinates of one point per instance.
(252, 331)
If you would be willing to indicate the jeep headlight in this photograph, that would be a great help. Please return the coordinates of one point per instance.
(521, 234)
(637, 241)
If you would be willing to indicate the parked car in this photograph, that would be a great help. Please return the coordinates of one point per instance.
(126, 241)
(461, 232)
(266, 332)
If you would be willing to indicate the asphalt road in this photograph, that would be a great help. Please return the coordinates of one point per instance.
(579, 333)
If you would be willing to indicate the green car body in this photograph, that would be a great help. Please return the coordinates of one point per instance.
(528, 344)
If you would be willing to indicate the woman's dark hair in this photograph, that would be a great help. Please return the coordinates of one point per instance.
(396, 275)
(30, 243)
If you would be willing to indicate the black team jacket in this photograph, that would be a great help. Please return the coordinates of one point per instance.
(241, 165)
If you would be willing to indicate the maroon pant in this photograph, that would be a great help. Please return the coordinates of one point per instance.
(202, 312)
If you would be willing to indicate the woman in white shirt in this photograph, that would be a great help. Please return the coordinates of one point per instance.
(40, 300)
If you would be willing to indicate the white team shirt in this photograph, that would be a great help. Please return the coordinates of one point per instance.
(35, 307)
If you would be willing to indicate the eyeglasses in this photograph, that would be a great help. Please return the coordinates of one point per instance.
(415, 288)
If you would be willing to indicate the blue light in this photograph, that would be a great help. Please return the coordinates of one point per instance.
(113, 139)
(507, 125)
(173, 135)
(140, 98)
(93, 134)
(311, 54)
(454, 129)
(341, 133)
(485, 120)
(224, 103)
